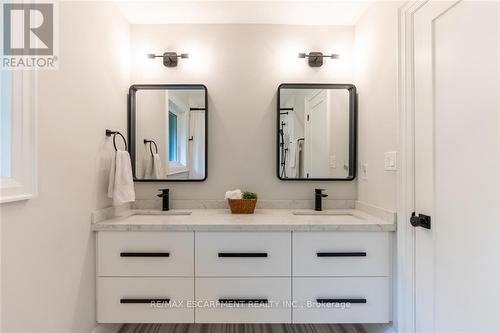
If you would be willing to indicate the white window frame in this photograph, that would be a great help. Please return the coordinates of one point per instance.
(22, 185)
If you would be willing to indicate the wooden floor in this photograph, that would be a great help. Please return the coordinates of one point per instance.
(241, 328)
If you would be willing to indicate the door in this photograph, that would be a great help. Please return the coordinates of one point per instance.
(197, 144)
(317, 135)
(456, 163)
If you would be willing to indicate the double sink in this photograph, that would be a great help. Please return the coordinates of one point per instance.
(326, 213)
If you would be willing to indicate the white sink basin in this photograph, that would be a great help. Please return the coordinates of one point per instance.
(325, 213)
(160, 212)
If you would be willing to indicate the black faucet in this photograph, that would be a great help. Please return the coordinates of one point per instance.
(165, 194)
(318, 194)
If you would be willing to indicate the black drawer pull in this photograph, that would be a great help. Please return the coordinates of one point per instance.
(145, 254)
(341, 254)
(342, 300)
(244, 300)
(144, 300)
(242, 255)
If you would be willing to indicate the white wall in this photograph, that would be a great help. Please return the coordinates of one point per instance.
(47, 247)
(376, 73)
(376, 80)
(242, 66)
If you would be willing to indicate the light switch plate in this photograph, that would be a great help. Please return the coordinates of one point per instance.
(391, 161)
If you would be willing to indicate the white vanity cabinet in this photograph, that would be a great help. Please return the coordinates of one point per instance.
(145, 300)
(243, 277)
(239, 267)
(145, 254)
(243, 254)
(145, 277)
(341, 300)
(341, 254)
(341, 277)
(267, 295)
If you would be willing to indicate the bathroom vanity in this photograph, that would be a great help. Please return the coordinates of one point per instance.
(275, 266)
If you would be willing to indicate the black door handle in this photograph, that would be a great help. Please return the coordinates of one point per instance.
(242, 255)
(421, 220)
(341, 254)
(145, 254)
(144, 300)
(342, 300)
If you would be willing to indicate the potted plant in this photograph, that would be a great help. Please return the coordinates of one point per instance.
(245, 205)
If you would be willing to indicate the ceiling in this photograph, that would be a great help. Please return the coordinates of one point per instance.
(243, 12)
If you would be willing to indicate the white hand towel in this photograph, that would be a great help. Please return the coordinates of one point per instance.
(235, 194)
(295, 159)
(148, 166)
(157, 167)
(292, 151)
(121, 182)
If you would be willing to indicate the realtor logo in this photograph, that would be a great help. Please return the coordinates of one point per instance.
(28, 36)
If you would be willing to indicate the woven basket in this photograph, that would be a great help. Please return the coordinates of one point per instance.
(242, 206)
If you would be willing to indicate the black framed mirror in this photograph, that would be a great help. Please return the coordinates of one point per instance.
(316, 132)
(167, 127)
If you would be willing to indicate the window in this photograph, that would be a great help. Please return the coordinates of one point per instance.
(173, 156)
(178, 116)
(17, 135)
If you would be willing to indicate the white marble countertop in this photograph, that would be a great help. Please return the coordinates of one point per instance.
(262, 220)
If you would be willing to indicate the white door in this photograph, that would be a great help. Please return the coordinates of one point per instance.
(317, 136)
(197, 144)
(457, 151)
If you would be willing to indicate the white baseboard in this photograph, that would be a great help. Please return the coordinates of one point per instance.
(107, 328)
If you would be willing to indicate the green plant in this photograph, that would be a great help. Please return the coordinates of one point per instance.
(249, 195)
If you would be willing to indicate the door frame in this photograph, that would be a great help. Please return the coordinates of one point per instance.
(406, 254)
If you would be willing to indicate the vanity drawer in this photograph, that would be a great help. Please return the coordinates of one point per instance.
(341, 254)
(341, 300)
(243, 254)
(145, 253)
(129, 300)
(270, 297)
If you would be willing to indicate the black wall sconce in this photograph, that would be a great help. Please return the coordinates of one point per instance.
(316, 58)
(169, 58)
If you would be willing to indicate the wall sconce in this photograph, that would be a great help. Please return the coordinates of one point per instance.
(316, 58)
(169, 58)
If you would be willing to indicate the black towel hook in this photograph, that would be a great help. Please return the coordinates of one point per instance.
(114, 133)
(146, 141)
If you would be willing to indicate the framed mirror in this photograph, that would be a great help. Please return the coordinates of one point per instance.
(316, 132)
(168, 132)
